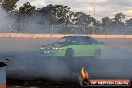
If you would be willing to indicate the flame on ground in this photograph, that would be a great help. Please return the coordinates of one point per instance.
(84, 73)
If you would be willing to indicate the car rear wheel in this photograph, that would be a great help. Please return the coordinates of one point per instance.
(69, 53)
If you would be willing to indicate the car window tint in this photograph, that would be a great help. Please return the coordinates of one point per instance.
(83, 40)
(94, 41)
(78, 40)
(62, 40)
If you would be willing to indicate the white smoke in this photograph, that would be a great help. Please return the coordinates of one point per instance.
(5, 21)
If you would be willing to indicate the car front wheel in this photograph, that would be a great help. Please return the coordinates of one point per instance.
(69, 53)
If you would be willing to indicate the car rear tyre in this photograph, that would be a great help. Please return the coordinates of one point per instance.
(69, 53)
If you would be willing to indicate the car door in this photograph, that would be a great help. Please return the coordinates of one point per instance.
(85, 48)
(82, 47)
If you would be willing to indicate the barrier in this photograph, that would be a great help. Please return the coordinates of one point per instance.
(2, 75)
(23, 35)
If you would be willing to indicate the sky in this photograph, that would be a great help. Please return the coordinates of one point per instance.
(103, 8)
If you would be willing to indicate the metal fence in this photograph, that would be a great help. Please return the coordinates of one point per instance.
(72, 29)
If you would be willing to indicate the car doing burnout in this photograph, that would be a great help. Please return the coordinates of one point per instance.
(71, 46)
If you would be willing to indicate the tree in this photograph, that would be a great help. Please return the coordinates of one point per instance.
(119, 17)
(106, 21)
(84, 19)
(22, 15)
(8, 5)
(129, 22)
(56, 13)
(27, 9)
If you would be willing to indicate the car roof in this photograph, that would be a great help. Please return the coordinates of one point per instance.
(81, 38)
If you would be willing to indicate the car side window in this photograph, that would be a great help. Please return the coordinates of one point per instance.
(65, 44)
(94, 41)
(84, 41)
(79, 41)
(75, 43)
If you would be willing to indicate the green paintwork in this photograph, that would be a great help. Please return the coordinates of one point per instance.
(79, 50)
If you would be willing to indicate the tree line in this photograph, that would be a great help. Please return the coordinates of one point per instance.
(69, 21)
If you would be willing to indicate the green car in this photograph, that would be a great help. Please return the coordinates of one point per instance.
(73, 46)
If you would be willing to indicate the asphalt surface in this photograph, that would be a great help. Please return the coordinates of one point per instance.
(24, 59)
